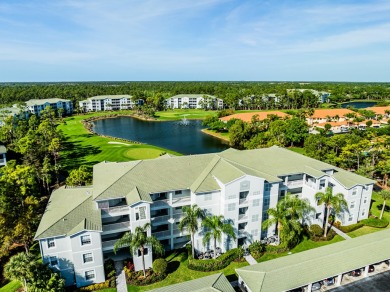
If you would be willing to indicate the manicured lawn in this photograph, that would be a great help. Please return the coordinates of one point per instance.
(306, 244)
(11, 286)
(83, 148)
(223, 136)
(178, 265)
(178, 114)
(298, 150)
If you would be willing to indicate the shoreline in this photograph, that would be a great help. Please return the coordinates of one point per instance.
(209, 132)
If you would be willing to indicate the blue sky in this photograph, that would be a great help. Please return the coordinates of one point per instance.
(93, 40)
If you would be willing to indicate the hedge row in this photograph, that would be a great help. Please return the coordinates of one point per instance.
(213, 264)
(351, 227)
(110, 283)
(375, 222)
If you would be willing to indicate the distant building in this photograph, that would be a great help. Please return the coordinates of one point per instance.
(14, 111)
(328, 115)
(3, 159)
(81, 225)
(194, 101)
(323, 96)
(247, 117)
(35, 106)
(106, 103)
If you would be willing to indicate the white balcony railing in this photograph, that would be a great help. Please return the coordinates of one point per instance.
(242, 216)
(181, 200)
(162, 233)
(178, 216)
(116, 210)
(295, 183)
(109, 244)
(158, 219)
(116, 226)
(243, 201)
(178, 232)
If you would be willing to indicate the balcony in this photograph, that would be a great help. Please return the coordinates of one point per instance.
(109, 245)
(242, 216)
(181, 201)
(243, 201)
(116, 227)
(242, 233)
(159, 205)
(159, 219)
(178, 216)
(177, 232)
(162, 234)
(295, 184)
(116, 210)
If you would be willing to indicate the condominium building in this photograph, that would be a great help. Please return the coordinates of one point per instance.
(81, 225)
(35, 106)
(106, 102)
(193, 101)
(323, 96)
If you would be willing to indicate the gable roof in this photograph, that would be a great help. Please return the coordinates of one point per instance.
(100, 97)
(33, 102)
(297, 270)
(212, 283)
(69, 211)
(192, 95)
(325, 113)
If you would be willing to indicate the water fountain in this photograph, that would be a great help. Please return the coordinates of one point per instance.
(184, 121)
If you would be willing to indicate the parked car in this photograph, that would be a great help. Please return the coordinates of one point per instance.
(316, 286)
(329, 282)
(355, 273)
(371, 268)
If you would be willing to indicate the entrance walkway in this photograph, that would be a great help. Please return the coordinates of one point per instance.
(120, 277)
(339, 232)
(251, 261)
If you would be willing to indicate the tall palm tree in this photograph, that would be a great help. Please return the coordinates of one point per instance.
(139, 240)
(190, 221)
(337, 203)
(277, 217)
(216, 226)
(385, 194)
(298, 209)
(19, 268)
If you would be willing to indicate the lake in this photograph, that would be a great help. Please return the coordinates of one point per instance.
(185, 138)
(358, 104)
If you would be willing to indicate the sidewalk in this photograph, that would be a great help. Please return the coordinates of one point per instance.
(120, 277)
(251, 261)
(339, 232)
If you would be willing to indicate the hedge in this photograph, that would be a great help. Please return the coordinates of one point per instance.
(350, 228)
(375, 222)
(213, 264)
(110, 283)
(137, 278)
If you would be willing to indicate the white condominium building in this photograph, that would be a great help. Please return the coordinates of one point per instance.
(106, 102)
(199, 101)
(81, 225)
(35, 106)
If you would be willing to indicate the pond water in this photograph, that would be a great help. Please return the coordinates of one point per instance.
(358, 104)
(184, 137)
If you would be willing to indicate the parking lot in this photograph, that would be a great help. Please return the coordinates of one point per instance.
(376, 283)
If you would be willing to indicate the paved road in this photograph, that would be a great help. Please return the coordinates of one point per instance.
(376, 283)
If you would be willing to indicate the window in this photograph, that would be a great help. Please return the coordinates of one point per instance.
(208, 197)
(322, 183)
(87, 257)
(53, 261)
(232, 196)
(177, 192)
(365, 200)
(89, 275)
(266, 201)
(85, 239)
(140, 214)
(256, 202)
(231, 207)
(255, 232)
(51, 243)
(145, 252)
(282, 194)
(363, 212)
(256, 193)
(352, 205)
(265, 216)
(350, 218)
(267, 187)
(354, 192)
(255, 218)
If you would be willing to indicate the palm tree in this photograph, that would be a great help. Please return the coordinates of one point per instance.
(298, 209)
(277, 216)
(385, 195)
(337, 203)
(19, 268)
(190, 222)
(139, 240)
(216, 226)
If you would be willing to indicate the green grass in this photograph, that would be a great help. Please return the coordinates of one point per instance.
(11, 286)
(178, 114)
(305, 244)
(84, 148)
(178, 264)
(298, 150)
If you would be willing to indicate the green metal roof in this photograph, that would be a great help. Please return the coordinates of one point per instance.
(69, 210)
(212, 283)
(297, 270)
(33, 102)
(192, 95)
(110, 96)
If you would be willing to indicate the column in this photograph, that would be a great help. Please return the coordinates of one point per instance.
(366, 271)
(309, 287)
(338, 280)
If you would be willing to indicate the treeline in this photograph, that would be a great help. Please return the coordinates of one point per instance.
(364, 152)
(234, 94)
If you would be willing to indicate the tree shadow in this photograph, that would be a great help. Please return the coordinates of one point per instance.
(173, 266)
(73, 155)
(380, 206)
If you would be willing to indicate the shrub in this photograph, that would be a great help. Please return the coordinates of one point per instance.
(317, 233)
(316, 230)
(351, 227)
(375, 222)
(137, 278)
(214, 264)
(98, 286)
(256, 249)
(160, 266)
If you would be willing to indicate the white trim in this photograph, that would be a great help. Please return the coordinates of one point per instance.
(83, 259)
(86, 244)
